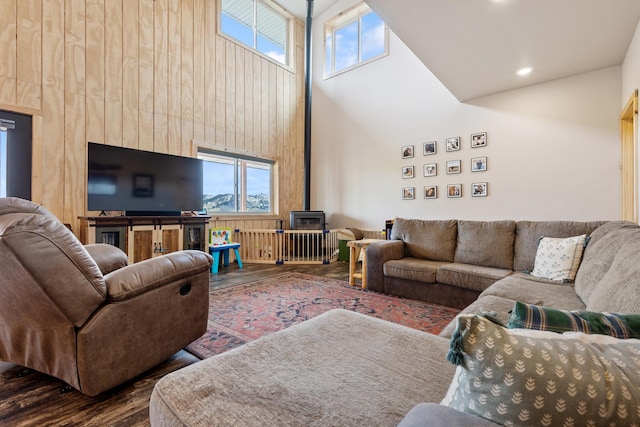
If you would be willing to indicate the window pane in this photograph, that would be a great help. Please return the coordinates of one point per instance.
(258, 188)
(271, 50)
(346, 53)
(237, 30)
(372, 36)
(272, 27)
(219, 186)
(240, 10)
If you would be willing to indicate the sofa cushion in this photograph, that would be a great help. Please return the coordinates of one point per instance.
(619, 289)
(489, 244)
(523, 377)
(433, 240)
(558, 258)
(599, 255)
(526, 288)
(469, 276)
(408, 268)
(531, 316)
(528, 233)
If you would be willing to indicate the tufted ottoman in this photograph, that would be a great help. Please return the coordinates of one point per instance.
(338, 369)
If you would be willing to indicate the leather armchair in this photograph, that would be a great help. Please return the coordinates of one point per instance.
(81, 314)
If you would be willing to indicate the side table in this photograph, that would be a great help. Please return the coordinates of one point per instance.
(355, 246)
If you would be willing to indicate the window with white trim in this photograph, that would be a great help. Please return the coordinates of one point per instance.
(257, 24)
(353, 38)
(235, 184)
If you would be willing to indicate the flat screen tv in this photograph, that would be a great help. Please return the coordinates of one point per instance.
(142, 182)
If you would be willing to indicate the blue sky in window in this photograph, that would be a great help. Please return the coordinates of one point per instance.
(346, 46)
(218, 179)
(346, 42)
(244, 34)
(372, 36)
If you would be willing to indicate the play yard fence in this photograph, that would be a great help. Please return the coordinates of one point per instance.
(292, 246)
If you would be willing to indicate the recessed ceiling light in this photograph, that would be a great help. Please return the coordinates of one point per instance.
(524, 71)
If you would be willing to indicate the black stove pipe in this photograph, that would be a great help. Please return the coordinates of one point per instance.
(307, 107)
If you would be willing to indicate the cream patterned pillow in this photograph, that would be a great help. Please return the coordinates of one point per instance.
(518, 377)
(559, 258)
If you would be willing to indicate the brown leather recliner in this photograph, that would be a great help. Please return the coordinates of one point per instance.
(80, 313)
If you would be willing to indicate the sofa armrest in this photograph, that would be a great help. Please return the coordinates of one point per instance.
(377, 254)
(435, 415)
(136, 279)
(108, 257)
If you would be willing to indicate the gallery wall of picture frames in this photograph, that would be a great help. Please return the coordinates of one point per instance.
(430, 167)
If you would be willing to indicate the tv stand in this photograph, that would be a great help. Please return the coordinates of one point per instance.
(144, 237)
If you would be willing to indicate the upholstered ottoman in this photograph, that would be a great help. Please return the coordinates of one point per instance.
(338, 369)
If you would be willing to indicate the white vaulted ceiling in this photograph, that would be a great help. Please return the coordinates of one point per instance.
(475, 47)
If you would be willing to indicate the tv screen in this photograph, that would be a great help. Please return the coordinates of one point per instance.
(142, 182)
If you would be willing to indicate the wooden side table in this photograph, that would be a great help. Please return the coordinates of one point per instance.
(355, 246)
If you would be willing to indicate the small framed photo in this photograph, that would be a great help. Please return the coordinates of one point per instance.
(478, 164)
(453, 144)
(454, 190)
(407, 172)
(431, 169)
(479, 189)
(429, 148)
(407, 151)
(431, 192)
(453, 167)
(478, 140)
(408, 193)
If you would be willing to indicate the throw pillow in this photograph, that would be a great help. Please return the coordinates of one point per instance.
(559, 258)
(531, 316)
(527, 377)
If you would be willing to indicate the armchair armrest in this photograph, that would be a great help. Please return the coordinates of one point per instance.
(136, 279)
(108, 257)
(377, 254)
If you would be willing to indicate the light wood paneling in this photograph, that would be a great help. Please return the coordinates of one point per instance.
(95, 53)
(29, 54)
(114, 69)
(147, 74)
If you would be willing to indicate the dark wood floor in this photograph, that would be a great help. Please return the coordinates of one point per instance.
(29, 398)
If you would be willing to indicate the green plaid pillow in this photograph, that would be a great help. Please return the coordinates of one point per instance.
(529, 316)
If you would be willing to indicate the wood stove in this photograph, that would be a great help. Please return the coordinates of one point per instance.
(307, 220)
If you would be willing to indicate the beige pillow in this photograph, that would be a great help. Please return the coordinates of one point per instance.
(559, 258)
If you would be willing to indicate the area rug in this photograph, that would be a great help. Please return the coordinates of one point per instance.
(243, 313)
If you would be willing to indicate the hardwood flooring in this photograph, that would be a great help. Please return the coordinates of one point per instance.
(29, 398)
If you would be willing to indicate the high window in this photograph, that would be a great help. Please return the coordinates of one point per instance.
(236, 184)
(257, 24)
(353, 38)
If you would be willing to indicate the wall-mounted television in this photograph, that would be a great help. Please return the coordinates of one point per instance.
(142, 182)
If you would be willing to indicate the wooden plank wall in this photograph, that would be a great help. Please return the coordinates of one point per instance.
(147, 74)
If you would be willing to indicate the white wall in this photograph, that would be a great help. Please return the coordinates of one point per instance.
(553, 149)
(631, 79)
(631, 68)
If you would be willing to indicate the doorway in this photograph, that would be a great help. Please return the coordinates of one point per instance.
(15, 155)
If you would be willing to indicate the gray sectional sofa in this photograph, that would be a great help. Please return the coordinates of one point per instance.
(452, 262)
(347, 369)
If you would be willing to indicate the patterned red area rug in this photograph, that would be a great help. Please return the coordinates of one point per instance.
(243, 313)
